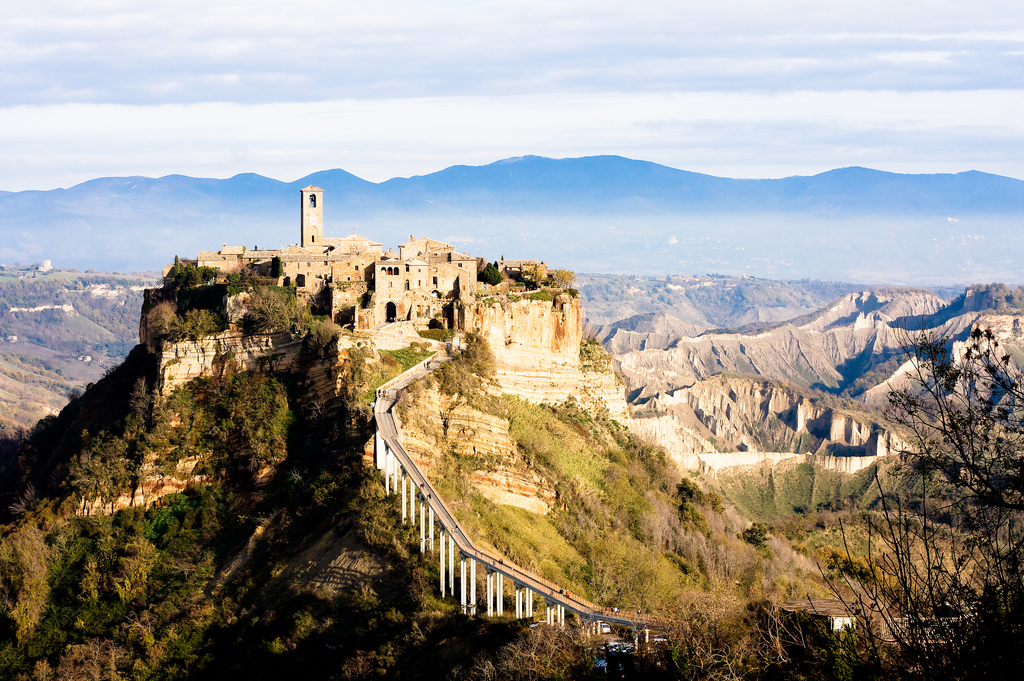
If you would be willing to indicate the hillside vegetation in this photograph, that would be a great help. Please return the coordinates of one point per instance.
(283, 553)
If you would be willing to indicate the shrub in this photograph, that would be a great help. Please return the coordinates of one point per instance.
(274, 308)
(542, 295)
(756, 535)
(163, 320)
(593, 357)
(490, 275)
(198, 324)
(240, 281)
(562, 278)
(437, 334)
(323, 338)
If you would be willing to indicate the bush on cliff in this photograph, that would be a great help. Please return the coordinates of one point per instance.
(467, 373)
(274, 309)
(322, 341)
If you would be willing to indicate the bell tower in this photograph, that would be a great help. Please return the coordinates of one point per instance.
(312, 216)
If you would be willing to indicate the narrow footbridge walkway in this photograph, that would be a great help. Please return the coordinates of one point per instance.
(418, 497)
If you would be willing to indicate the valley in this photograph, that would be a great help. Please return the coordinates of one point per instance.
(60, 331)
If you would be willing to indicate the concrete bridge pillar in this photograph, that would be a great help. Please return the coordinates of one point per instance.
(519, 602)
(462, 583)
(441, 570)
(451, 563)
(529, 602)
(387, 471)
(423, 527)
(393, 469)
(430, 524)
(472, 585)
(490, 592)
(379, 450)
(405, 506)
(501, 594)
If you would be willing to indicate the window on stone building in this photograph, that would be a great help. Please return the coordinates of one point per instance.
(406, 286)
(435, 281)
(312, 200)
(406, 268)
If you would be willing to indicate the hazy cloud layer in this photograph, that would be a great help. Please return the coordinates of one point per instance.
(249, 52)
(741, 88)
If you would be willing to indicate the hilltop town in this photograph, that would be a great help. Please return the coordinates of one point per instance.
(358, 283)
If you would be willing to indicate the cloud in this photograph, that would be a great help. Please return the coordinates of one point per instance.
(734, 134)
(261, 52)
(396, 87)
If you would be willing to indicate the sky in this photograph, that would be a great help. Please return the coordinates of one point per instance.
(386, 88)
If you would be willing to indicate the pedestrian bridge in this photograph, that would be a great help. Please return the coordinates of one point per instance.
(458, 557)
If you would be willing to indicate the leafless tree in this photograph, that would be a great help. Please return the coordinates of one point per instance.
(946, 590)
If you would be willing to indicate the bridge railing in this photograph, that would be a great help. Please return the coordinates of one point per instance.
(387, 424)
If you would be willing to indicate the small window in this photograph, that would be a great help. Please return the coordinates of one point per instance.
(406, 286)
(406, 268)
(435, 281)
(312, 238)
(312, 200)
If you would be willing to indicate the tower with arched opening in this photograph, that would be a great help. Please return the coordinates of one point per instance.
(312, 216)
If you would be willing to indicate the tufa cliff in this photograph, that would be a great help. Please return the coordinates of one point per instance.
(434, 425)
(536, 346)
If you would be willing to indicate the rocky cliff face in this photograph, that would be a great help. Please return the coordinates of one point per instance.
(829, 349)
(733, 421)
(433, 424)
(536, 346)
(155, 482)
(180, 362)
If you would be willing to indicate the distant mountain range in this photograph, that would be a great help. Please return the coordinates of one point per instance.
(601, 214)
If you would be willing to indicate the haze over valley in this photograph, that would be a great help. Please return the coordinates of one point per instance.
(593, 214)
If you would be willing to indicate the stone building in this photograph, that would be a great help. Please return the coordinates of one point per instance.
(353, 279)
(518, 269)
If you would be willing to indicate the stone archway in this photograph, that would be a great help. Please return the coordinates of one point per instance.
(390, 312)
